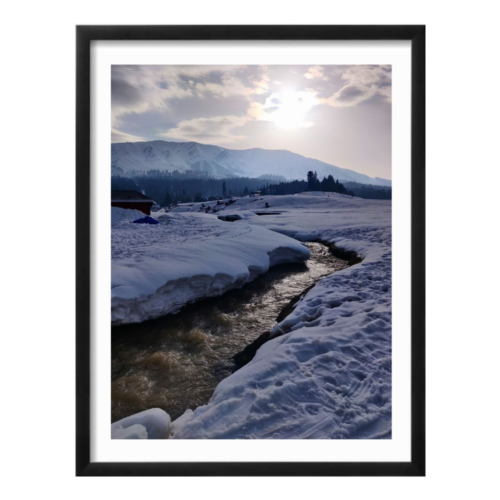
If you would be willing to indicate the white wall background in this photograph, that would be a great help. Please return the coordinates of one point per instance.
(37, 355)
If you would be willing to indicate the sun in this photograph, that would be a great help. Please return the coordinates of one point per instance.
(288, 110)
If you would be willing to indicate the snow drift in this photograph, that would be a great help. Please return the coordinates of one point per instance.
(157, 269)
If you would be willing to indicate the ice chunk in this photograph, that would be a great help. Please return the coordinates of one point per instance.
(149, 424)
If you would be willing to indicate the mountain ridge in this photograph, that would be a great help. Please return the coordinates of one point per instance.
(129, 158)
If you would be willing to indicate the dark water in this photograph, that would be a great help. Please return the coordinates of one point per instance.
(175, 362)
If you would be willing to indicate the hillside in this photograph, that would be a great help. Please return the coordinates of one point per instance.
(128, 158)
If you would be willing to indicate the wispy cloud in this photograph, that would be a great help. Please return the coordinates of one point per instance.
(117, 136)
(231, 86)
(315, 72)
(362, 84)
(218, 129)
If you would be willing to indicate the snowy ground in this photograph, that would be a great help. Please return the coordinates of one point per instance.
(329, 375)
(157, 269)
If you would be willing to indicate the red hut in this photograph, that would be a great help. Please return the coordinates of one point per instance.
(131, 199)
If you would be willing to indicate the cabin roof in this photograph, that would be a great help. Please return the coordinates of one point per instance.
(129, 195)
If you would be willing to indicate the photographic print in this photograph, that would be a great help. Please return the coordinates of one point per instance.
(251, 273)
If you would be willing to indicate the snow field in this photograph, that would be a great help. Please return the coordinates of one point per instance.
(156, 270)
(327, 372)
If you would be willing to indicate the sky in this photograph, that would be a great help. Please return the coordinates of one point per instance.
(337, 114)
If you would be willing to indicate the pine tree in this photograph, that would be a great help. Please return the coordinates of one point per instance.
(313, 184)
(224, 191)
(310, 180)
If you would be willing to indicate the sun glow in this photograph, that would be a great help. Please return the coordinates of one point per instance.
(287, 109)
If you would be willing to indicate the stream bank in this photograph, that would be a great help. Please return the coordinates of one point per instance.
(175, 362)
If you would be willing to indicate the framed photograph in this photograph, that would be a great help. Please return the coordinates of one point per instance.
(250, 251)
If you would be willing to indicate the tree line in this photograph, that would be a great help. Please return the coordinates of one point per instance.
(369, 191)
(327, 185)
(171, 188)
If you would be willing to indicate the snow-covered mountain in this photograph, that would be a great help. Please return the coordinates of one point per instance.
(128, 158)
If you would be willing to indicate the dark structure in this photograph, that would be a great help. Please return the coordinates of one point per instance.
(132, 199)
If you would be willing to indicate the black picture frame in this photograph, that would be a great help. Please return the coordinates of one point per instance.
(84, 36)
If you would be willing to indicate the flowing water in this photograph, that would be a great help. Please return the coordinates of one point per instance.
(175, 362)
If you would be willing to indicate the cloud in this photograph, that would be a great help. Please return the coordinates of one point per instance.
(214, 103)
(216, 129)
(285, 109)
(315, 72)
(231, 85)
(137, 90)
(362, 84)
(154, 86)
(117, 136)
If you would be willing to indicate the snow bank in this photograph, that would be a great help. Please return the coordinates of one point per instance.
(149, 424)
(327, 373)
(158, 269)
(124, 214)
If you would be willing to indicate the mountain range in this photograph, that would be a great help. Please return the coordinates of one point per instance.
(130, 158)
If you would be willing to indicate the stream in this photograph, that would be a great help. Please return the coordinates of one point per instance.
(175, 362)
